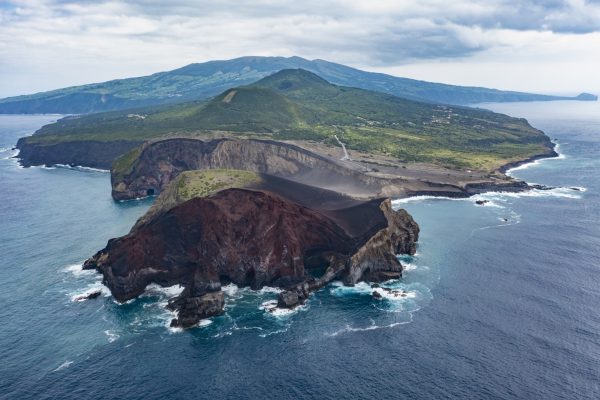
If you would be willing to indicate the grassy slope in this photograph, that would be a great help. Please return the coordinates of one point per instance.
(201, 81)
(190, 184)
(298, 105)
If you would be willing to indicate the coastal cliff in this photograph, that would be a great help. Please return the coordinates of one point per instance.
(148, 170)
(158, 163)
(255, 237)
(88, 153)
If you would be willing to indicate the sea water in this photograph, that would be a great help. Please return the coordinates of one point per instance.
(500, 302)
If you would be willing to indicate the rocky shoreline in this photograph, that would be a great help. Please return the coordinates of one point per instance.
(254, 238)
(552, 154)
(274, 230)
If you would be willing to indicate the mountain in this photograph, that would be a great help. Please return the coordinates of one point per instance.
(299, 106)
(204, 80)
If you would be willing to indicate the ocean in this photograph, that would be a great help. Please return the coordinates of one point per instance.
(503, 300)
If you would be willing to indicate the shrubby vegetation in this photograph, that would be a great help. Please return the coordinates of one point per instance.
(299, 105)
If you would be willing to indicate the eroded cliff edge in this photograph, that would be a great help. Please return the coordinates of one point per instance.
(256, 237)
(148, 169)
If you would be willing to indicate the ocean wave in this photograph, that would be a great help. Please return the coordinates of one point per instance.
(270, 308)
(10, 153)
(78, 271)
(394, 296)
(235, 292)
(561, 156)
(413, 199)
(80, 168)
(112, 336)
(561, 192)
(169, 291)
(372, 327)
(64, 365)
(406, 266)
(390, 290)
(573, 192)
(82, 295)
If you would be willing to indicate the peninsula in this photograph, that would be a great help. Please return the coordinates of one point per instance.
(285, 182)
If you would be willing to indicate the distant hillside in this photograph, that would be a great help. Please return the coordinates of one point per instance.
(202, 81)
(299, 105)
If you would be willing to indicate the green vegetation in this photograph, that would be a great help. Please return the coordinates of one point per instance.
(200, 183)
(203, 183)
(122, 165)
(201, 81)
(299, 105)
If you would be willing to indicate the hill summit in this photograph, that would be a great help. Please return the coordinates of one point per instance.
(298, 105)
(201, 81)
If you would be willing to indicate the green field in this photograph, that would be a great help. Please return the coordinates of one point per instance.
(299, 105)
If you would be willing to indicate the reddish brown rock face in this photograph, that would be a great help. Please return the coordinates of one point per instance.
(252, 238)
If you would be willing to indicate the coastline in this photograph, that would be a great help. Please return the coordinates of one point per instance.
(97, 156)
(470, 189)
(505, 169)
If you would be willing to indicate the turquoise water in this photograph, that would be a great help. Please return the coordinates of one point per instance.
(495, 309)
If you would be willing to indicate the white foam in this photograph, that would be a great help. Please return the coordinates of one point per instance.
(203, 323)
(64, 365)
(79, 168)
(371, 327)
(269, 289)
(387, 290)
(77, 270)
(230, 290)
(12, 153)
(396, 202)
(91, 288)
(169, 291)
(392, 294)
(112, 336)
(561, 192)
(528, 165)
(270, 307)
(406, 266)
(275, 332)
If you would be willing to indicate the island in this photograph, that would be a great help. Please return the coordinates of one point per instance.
(204, 80)
(286, 182)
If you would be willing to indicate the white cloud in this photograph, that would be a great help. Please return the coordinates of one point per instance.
(47, 44)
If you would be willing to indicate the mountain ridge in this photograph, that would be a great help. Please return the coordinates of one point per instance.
(200, 81)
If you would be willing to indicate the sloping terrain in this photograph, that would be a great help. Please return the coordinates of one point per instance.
(297, 105)
(204, 80)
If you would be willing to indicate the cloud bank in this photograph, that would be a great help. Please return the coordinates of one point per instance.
(53, 43)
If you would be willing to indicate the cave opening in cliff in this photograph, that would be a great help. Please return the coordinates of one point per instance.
(318, 271)
(224, 279)
(316, 262)
(150, 192)
(250, 278)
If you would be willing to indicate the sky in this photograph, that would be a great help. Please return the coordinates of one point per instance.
(546, 46)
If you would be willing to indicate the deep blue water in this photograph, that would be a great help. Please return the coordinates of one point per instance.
(495, 309)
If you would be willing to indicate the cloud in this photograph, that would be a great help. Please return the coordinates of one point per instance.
(74, 40)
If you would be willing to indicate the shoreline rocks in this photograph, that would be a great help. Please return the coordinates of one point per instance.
(254, 238)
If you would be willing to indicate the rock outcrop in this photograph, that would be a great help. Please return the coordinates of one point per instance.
(158, 163)
(150, 168)
(89, 153)
(254, 237)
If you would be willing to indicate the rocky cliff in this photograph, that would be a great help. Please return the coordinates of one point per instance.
(254, 237)
(158, 163)
(148, 170)
(95, 154)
